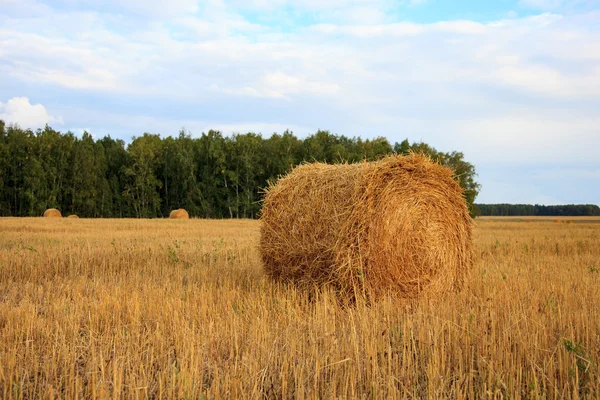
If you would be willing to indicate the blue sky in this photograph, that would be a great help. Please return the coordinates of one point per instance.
(514, 84)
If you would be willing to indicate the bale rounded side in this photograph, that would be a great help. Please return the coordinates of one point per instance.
(73, 216)
(399, 225)
(52, 213)
(179, 214)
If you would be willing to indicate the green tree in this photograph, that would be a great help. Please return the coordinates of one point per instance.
(142, 185)
(115, 159)
(213, 175)
(4, 203)
(374, 149)
(54, 152)
(320, 147)
(90, 189)
(280, 153)
(247, 168)
(19, 171)
(181, 189)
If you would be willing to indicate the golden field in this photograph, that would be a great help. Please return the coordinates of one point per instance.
(181, 309)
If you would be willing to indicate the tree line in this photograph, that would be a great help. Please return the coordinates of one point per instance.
(212, 176)
(509, 210)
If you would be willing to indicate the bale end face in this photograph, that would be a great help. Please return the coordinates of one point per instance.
(52, 213)
(399, 225)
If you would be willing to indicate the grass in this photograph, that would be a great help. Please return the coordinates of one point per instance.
(181, 309)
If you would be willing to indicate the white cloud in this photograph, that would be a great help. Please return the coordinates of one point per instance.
(461, 27)
(329, 11)
(519, 90)
(337, 4)
(549, 81)
(156, 7)
(127, 125)
(143, 8)
(530, 138)
(19, 110)
(542, 4)
(371, 31)
(278, 85)
(68, 63)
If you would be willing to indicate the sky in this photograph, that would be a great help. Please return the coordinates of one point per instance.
(513, 84)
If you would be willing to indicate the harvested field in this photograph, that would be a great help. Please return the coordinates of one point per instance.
(157, 308)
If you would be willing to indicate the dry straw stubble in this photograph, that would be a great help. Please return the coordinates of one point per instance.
(52, 213)
(399, 225)
(179, 214)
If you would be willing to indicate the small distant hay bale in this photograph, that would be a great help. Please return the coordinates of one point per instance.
(179, 214)
(52, 213)
(399, 226)
(72, 216)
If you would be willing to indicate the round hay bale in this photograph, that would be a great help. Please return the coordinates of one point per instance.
(52, 213)
(179, 214)
(72, 216)
(399, 225)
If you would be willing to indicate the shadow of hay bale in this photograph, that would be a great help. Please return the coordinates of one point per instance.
(399, 226)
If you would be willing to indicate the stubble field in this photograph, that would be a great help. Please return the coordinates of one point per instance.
(181, 309)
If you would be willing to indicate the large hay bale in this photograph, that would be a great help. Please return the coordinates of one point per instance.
(399, 225)
(179, 214)
(52, 213)
(72, 216)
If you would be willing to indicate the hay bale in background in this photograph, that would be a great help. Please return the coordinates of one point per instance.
(399, 225)
(179, 214)
(72, 216)
(52, 213)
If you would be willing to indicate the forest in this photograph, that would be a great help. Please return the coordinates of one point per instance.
(211, 176)
(510, 210)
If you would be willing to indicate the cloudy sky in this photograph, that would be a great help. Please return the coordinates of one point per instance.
(514, 84)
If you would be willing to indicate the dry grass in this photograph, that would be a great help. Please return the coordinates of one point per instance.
(156, 308)
(397, 226)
